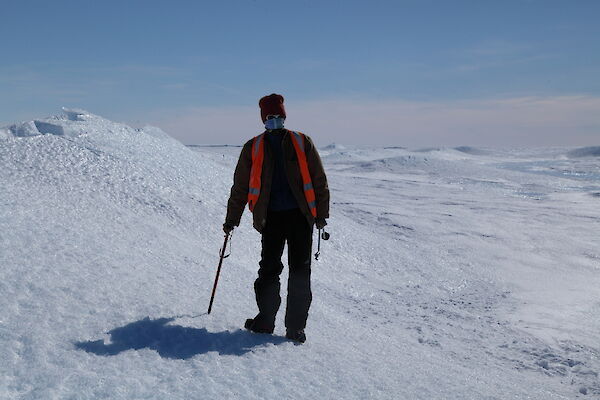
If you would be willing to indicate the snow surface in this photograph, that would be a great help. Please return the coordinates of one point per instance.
(450, 274)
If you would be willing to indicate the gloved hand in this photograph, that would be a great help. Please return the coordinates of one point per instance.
(320, 223)
(227, 228)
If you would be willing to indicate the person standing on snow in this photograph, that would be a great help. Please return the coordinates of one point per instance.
(281, 177)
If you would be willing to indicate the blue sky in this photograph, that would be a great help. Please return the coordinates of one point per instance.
(380, 72)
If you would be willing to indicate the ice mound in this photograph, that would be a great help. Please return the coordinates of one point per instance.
(471, 150)
(75, 114)
(67, 124)
(590, 151)
(448, 153)
(73, 123)
(392, 164)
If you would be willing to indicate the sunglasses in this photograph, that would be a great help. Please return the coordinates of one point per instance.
(273, 116)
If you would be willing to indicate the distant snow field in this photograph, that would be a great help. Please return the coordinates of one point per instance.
(451, 273)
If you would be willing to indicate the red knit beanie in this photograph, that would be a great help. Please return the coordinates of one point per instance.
(271, 105)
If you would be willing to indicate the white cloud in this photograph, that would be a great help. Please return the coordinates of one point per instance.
(520, 121)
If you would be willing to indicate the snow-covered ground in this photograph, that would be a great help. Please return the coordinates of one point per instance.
(450, 274)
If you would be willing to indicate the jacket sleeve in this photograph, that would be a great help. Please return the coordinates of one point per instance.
(239, 191)
(319, 179)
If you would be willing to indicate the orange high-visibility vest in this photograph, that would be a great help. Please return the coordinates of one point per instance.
(258, 156)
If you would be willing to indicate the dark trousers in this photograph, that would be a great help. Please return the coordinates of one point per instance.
(292, 227)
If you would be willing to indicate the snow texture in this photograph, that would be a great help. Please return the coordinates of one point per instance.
(450, 274)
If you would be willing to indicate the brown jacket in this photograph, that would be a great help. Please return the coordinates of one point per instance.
(239, 190)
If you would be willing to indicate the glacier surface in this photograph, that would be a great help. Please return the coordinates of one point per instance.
(451, 273)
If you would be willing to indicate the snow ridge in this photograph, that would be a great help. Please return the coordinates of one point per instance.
(591, 151)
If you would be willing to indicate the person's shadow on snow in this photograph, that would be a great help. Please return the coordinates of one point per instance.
(175, 341)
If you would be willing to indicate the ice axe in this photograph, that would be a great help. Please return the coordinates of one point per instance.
(222, 256)
(325, 235)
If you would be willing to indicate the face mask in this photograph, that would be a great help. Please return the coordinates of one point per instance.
(274, 123)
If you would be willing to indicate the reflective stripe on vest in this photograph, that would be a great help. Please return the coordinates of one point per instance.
(258, 155)
(309, 192)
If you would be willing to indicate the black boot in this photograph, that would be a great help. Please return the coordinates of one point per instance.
(257, 327)
(296, 336)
